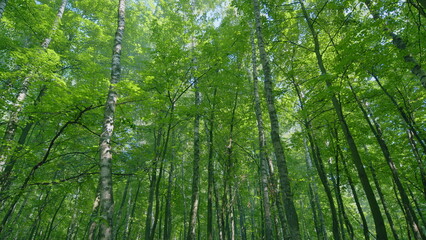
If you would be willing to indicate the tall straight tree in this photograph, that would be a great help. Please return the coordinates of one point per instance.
(105, 163)
(291, 214)
(195, 168)
(356, 158)
(262, 147)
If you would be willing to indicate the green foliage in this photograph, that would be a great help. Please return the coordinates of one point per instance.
(167, 46)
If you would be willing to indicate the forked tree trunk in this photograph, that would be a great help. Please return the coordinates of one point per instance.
(105, 163)
(291, 214)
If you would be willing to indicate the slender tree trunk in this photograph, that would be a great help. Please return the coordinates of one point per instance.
(105, 162)
(356, 158)
(50, 228)
(5, 180)
(291, 214)
(149, 214)
(229, 177)
(382, 199)
(262, 145)
(119, 214)
(336, 182)
(71, 231)
(195, 170)
(219, 213)
(243, 235)
(356, 199)
(418, 208)
(315, 203)
(92, 226)
(210, 169)
(168, 211)
(129, 223)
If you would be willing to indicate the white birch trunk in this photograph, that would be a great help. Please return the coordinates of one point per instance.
(105, 163)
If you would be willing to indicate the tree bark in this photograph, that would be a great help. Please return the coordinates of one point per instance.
(195, 171)
(382, 199)
(168, 211)
(105, 162)
(291, 214)
(210, 169)
(356, 199)
(262, 145)
(336, 183)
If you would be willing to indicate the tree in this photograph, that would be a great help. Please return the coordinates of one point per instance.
(105, 163)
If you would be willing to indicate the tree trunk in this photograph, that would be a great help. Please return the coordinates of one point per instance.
(336, 183)
(128, 231)
(291, 214)
(50, 226)
(149, 213)
(119, 214)
(382, 199)
(105, 163)
(262, 145)
(405, 116)
(210, 169)
(356, 199)
(91, 227)
(195, 170)
(168, 211)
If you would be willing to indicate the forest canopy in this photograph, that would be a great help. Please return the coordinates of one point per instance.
(184, 119)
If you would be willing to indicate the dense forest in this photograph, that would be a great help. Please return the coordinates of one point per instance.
(185, 119)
